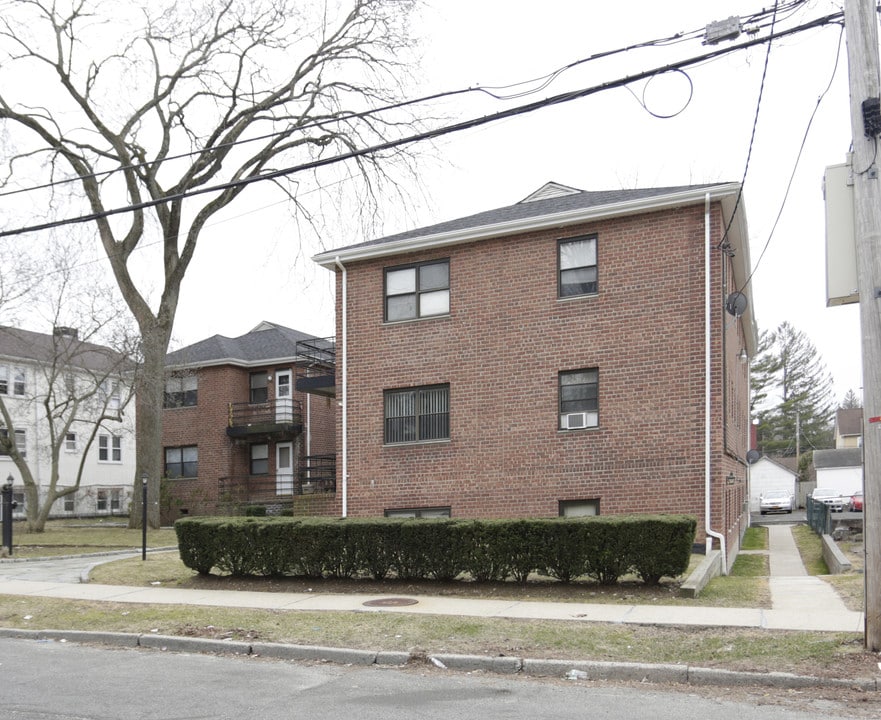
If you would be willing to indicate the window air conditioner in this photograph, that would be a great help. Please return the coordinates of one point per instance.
(573, 421)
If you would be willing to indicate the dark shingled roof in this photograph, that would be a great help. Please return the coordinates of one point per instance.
(528, 208)
(845, 457)
(267, 341)
(17, 344)
(849, 421)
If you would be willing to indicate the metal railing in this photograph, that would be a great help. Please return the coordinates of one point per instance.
(318, 476)
(321, 351)
(286, 411)
(819, 516)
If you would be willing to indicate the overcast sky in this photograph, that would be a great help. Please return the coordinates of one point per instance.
(605, 141)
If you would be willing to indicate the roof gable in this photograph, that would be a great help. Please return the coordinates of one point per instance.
(266, 343)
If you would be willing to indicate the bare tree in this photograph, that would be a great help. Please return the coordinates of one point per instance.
(67, 383)
(172, 109)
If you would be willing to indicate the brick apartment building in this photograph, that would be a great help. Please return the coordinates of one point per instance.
(236, 431)
(574, 353)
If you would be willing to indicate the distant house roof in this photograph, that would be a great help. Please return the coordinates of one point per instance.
(555, 206)
(63, 344)
(265, 344)
(782, 463)
(846, 457)
(849, 421)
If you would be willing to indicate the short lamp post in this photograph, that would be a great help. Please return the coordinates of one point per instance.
(6, 507)
(143, 516)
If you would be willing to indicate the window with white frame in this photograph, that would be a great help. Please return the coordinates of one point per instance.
(69, 503)
(109, 448)
(417, 414)
(101, 502)
(579, 399)
(18, 381)
(417, 291)
(21, 442)
(110, 393)
(13, 383)
(70, 442)
(577, 260)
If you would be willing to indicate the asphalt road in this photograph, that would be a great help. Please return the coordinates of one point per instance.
(66, 681)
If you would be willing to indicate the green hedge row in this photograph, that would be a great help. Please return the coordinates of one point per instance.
(603, 548)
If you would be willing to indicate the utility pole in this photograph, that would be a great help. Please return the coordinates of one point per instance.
(861, 25)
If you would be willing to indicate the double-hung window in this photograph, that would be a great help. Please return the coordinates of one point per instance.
(21, 441)
(579, 399)
(417, 414)
(109, 448)
(260, 459)
(70, 442)
(181, 391)
(578, 266)
(259, 384)
(417, 291)
(182, 462)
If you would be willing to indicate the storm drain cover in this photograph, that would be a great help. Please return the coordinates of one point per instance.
(390, 602)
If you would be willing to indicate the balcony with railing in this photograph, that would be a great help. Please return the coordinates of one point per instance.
(318, 375)
(270, 420)
(316, 475)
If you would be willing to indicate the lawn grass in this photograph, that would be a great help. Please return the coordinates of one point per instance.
(732, 648)
(810, 547)
(755, 538)
(76, 537)
(752, 649)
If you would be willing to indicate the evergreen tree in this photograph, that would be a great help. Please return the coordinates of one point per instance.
(850, 401)
(792, 393)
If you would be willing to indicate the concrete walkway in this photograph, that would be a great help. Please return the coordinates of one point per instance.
(799, 602)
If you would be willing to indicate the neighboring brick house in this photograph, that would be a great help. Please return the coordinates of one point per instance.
(236, 431)
(562, 355)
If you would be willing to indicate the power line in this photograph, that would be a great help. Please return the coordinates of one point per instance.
(438, 132)
(546, 80)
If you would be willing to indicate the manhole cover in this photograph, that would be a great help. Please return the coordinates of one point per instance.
(390, 602)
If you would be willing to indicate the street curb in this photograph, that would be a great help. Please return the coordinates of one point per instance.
(586, 670)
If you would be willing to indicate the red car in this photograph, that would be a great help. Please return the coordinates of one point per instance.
(856, 502)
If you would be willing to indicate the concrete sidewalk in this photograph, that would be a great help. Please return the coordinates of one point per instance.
(799, 602)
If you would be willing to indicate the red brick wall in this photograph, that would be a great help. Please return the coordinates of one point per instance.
(501, 348)
(205, 425)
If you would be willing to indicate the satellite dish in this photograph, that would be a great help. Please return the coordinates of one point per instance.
(752, 456)
(736, 304)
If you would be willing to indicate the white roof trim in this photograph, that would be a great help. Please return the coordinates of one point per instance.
(484, 232)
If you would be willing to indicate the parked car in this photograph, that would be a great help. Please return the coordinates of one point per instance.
(776, 501)
(856, 502)
(829, 497)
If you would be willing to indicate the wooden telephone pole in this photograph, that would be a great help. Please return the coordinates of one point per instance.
(861, 25)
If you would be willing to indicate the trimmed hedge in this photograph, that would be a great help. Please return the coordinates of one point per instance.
(603, 548)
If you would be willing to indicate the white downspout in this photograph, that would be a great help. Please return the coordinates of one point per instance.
(708, 309)
(345, 400)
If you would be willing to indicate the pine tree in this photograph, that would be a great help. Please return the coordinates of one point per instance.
(850, 401)
(792, 393)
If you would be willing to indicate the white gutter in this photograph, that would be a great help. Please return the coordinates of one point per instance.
(345, 400)
(531, 223)
(708, 309)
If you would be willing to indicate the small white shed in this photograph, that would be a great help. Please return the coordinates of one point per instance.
(840, 469)
(767, 474)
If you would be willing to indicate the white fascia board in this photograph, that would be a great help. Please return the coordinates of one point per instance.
(485, 232)
(235, 362)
